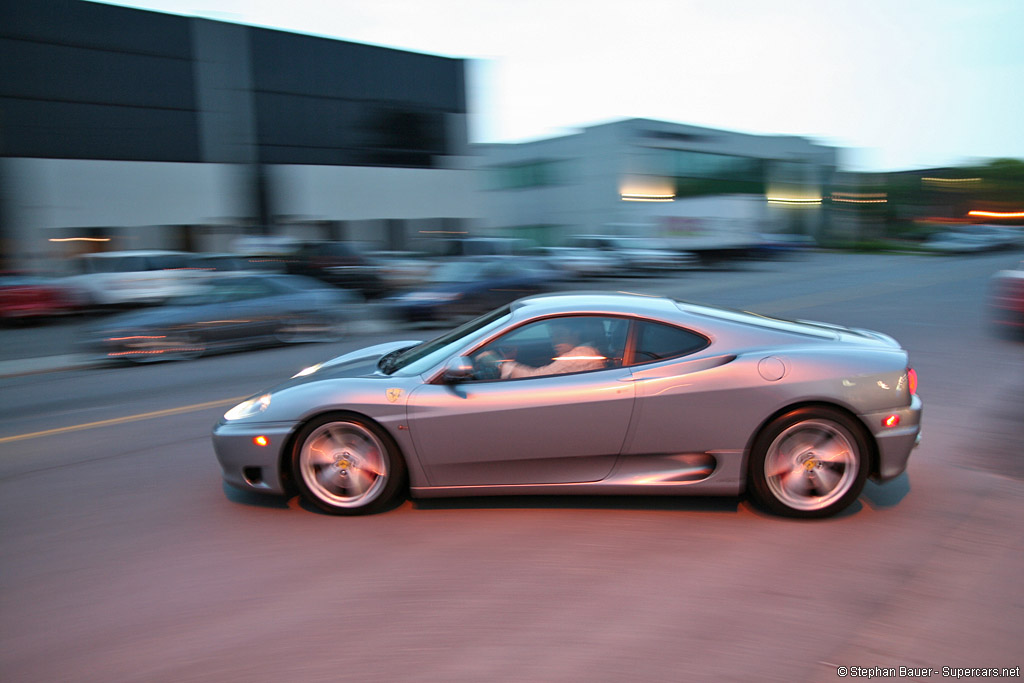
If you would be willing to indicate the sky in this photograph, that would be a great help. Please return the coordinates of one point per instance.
(897, 84)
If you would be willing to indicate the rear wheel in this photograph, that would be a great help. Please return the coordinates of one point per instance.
(346, 465)
(811, 462)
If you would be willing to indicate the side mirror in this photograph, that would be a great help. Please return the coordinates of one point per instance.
(458, 369)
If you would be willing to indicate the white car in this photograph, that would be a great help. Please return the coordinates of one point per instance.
(975, 238)
(637, 254)
(579, 263)
(122, 278)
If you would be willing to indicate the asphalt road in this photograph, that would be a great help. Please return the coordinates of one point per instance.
(125, 559)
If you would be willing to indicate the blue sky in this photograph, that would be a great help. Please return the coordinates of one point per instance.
(898, 84)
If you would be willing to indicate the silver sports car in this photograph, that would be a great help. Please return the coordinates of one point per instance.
(588, 394)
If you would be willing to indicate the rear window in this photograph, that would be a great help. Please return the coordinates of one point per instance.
(656, 341)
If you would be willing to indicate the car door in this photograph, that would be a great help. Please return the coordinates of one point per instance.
(532, 430)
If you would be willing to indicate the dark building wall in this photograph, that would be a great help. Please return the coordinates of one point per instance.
(321, 101)
(89, 81)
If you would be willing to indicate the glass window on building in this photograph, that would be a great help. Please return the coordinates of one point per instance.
(700, 173)
(528, 174)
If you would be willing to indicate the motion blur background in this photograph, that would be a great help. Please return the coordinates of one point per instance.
(124, 129)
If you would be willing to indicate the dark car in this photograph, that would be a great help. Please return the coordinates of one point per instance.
(231, 311)
(469, 286)
(340, 264)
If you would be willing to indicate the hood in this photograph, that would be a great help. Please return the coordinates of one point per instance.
(358, 363)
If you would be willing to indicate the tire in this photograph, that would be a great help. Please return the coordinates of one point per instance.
(347, 465)
(811, 463)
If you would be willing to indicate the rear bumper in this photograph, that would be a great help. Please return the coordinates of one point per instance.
(895, 443)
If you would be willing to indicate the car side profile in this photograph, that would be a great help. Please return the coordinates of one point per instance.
(622, 394)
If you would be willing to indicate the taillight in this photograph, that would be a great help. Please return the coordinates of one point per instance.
(912, 380)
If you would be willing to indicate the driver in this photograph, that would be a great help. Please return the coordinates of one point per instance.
(572, 354)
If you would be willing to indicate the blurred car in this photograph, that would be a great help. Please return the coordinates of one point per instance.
(25, 296)
(468, 286)
(975, 238)
(676, 399)
(213, 262)
(400, 269)
(231, 311)
(1007, 298)
(579, 263)
(123, 278)
(637, 255)
(339, 263)
(461, 247)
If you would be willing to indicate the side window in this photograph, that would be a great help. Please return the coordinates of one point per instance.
(655, 341)
(552, 347)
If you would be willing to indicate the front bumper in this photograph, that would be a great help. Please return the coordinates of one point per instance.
(895, 443)
(246, 465)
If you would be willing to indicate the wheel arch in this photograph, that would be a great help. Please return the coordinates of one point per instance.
(284, 468)
(865, 433)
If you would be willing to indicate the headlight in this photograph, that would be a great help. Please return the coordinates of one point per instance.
(248, 408)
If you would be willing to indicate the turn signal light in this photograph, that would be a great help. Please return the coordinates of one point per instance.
(260, 440)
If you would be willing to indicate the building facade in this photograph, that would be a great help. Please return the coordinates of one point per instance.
(699, 188)
(123, 128)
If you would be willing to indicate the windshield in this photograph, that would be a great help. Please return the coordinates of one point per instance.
(424, 356)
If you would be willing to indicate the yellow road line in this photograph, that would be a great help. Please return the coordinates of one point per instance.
(128, 418)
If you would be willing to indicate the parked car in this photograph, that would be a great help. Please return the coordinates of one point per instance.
(125, 278)
(637, 255)
(464, 287)
(339, 263)
(686, 399)
(461, 247)
(24, 296)
(228, 262)
(1007, 298)
(974, 238)
(401, 269)
(579, 263)
(230, 311)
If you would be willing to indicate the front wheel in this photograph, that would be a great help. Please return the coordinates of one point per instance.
(811, 462)
(346, 465)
